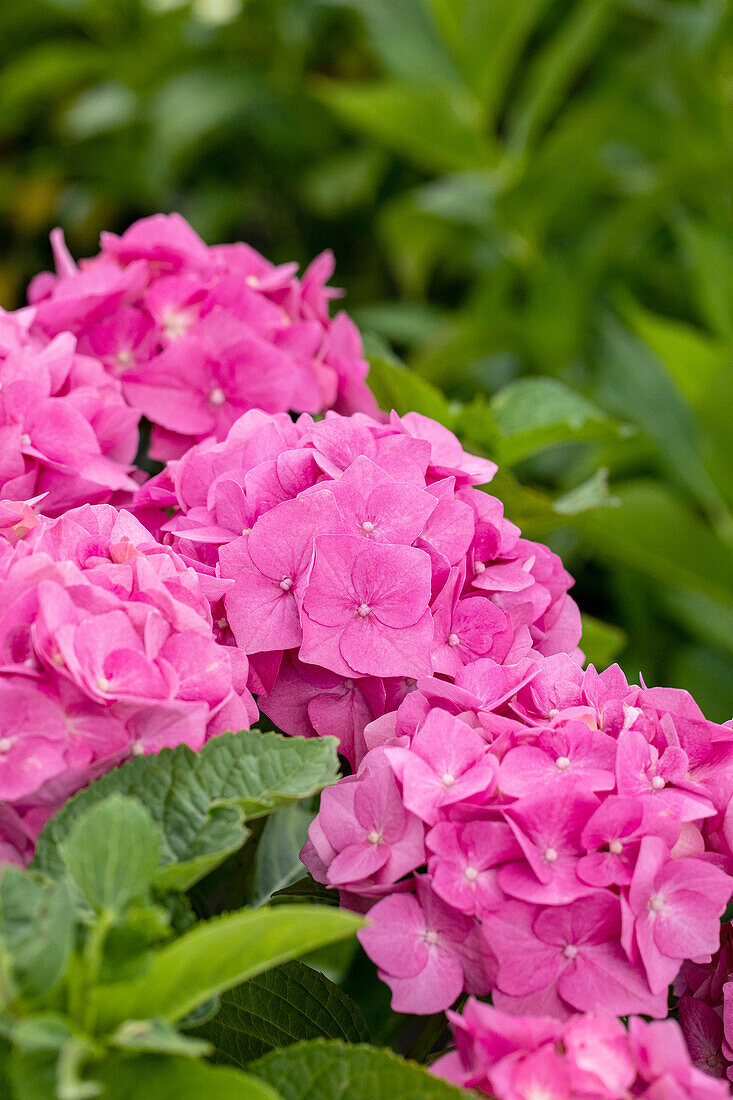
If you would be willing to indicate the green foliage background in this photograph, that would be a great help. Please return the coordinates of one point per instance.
(528, 188)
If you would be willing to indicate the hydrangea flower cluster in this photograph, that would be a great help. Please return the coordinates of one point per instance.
(584, 1058)
(65, 429)
(556, 836)
(107, 651)
(361, 558)
(198, 334)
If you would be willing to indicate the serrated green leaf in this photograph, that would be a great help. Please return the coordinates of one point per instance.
(201, 800)
(280, 1007)
(217, 955)
(331, 1070)
(112, 853)
(37, 923)
(148, 1077)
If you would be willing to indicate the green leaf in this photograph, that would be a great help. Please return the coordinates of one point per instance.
(217, 955)
(396, 387)
(277, 859)
(437, 128)
(592, 493)
(534, 413)
(601, 642)
(654, 532)
(283, 1006)
(174, 1078)
(332, 1070)
(112, 853)
(157, 1036)
(37, 922)
(201, 800)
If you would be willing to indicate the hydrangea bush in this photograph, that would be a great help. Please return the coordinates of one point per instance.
(507, 824)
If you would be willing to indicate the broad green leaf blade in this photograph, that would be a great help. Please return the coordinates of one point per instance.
(332, 1070)
(201, 800)
(654, 532)
(112, 853)
(175, 1078)
(396, 387)
(280, 1007)
(533, 413)
(217, 955)
(159, 1037)
(277, 859)
(601, 642)
(37, 922)
(437, 128)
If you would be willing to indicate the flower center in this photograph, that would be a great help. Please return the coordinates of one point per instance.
(447, 779)
(656, 903)
(363, 610)
(6, 744)
(25, 440)
(570, 951)
(549, 855)
(367, 527)
(431, 938)
(137, 748)
(222, 623)
(470, 874)
(217, 396)
(124, 357)
(374, 837)
(175, 325)
(563, 763)
(657, 783)
(479, 567)
(102, 683)
(453, 639)
(615, 847)
(286, 584)
(252, 280)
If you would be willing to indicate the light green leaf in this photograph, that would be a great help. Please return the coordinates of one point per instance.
(592, 493)
(112, 853)
(654, 532)
(157, 1036)
(332, 1070)
(148, 1077)
(201, 800)
(437, 128)
(601, 642)
(37, 923)
(396, 387)
(217, 955)
(280, 1007)
(277, 859)
(534, 413)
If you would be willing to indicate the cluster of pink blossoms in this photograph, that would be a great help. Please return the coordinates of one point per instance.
(65, 428)
(586, 1058)
(555, 836)
(361, 559)
(107, 651)
(197, 335)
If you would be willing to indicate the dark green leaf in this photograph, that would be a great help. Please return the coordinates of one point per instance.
(37, 922)
(332, 1070)
(174, 1078)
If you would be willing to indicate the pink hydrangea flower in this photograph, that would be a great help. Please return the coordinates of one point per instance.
(535, 1058)
(106, 651)
(66, 433)
(198, 335)
(351, 547)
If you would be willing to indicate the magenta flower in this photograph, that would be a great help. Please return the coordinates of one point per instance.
(366, 608)
(567, 958)
(673, 910)
(464, 860)
(446, 763)
(422, 948)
